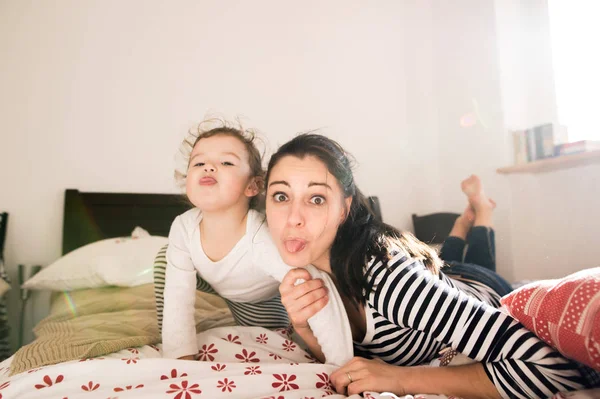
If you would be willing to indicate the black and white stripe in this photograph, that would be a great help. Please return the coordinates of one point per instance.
(416, 314)
(269, 313)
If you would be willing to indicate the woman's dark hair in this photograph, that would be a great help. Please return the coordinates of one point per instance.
(361, 237)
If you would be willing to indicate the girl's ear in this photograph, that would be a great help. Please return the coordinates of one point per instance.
(254, 187)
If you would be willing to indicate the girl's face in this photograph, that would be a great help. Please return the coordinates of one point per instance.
(305, 206)
(219, 175)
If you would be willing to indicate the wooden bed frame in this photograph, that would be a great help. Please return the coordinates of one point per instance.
(91, 216)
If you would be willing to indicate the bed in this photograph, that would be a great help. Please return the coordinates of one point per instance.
(101, 338)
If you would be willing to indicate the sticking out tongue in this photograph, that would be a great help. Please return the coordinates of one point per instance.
(294, 246)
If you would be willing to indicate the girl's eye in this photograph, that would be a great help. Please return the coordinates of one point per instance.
(279, 197)
(226, 163)
(317, 200)
(199, 164)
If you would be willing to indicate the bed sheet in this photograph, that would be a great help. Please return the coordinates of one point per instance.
(237, 362)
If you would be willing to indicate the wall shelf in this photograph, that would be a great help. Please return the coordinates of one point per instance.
(550, 164)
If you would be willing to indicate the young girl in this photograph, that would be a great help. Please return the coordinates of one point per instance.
(227, 244)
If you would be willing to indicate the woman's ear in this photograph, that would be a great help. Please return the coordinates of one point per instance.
(346, 209)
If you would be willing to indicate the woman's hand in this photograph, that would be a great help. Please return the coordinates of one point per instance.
(303, 300)
(360, 375)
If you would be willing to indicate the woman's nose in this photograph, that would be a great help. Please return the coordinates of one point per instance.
(296, 216)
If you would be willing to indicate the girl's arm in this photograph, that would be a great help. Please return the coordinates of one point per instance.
(179, 326)
(302, 301)
(517, 362)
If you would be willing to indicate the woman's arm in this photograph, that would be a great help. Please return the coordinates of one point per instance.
(360, 375)
(516, 362)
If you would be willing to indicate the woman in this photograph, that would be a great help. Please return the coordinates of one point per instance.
(402, 309)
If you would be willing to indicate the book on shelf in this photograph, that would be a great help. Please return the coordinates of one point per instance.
(538, 142)
(576, 147)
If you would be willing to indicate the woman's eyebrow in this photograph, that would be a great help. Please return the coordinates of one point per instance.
(279, 182)
(312, 183)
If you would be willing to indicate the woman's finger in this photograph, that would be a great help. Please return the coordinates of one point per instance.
(308, 288)
(293, 275)
(310, 300)
(301, 317)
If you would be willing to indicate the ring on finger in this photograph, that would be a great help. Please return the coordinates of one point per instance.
(349, 377)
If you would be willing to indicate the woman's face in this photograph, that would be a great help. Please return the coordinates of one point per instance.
(305, 206)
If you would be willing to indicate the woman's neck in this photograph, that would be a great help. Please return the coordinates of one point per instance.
(323, 263)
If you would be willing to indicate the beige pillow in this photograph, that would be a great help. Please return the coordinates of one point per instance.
(122, 262)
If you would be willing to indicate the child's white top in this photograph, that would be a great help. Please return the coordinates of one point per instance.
(250, 272)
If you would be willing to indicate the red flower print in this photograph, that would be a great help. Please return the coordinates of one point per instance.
(173, 375)
(284, 382)
(289, 346)
(282, 331)
(294, 364)
(246, 357)
(233, 339)
(48, 381)
(252, 370)
(325, 382)
(3, 386)
(226, 385)
(184, 389)
(34, 370)
(154, 347)
(133, 350)
(128, 387)
(88, 359)
(133, 360)
(206, 353)
(90, 387)
(218, 367)
(274, 356)
(286, 332)
(262, 339)
(273, 397)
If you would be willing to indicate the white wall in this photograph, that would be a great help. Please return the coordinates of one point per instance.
(554, 216)
(97, 95)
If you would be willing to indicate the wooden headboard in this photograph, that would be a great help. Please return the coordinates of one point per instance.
(91, 217)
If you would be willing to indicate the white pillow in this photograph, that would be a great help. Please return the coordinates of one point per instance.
(123, 262)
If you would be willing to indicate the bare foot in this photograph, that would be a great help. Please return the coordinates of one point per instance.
(482, 205)
(473, 189)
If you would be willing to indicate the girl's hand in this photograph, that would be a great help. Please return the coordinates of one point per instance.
(360, 375)
(303, 300)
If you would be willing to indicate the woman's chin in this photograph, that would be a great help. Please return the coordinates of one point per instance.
(296, 260)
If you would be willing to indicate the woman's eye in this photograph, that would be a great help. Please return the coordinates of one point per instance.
(226, 163)
(279, 197)
(317, 200)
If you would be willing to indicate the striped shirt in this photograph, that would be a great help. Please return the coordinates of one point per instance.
(412, 314)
